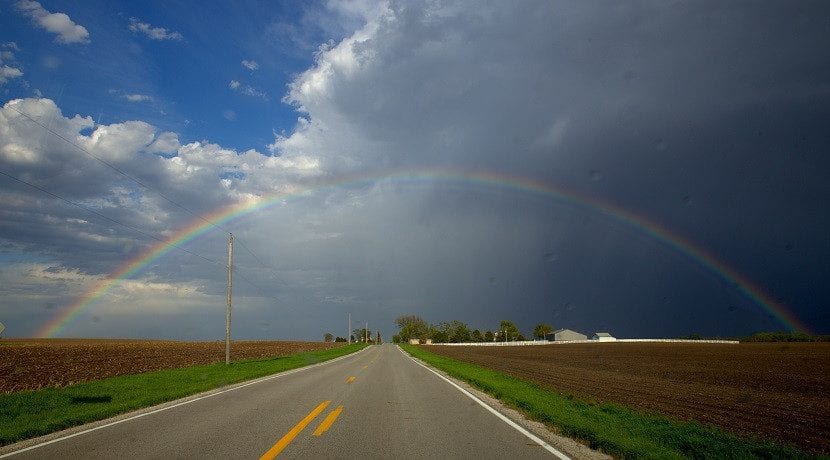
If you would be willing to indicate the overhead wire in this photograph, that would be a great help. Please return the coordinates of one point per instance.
(146, 187)
(105, 217)
(117, 169)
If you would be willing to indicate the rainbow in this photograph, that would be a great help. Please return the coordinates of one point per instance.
(217, 219)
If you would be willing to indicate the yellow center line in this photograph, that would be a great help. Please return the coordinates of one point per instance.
(282, 443)
(326, 423)
(350, 379)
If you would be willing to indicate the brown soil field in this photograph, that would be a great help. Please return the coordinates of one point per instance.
(772, 390)
(31, 364)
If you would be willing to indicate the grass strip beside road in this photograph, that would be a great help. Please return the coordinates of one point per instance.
(27, 414)
(617, 430)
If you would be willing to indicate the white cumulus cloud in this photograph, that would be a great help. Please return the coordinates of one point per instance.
(60, 24)
(250, 65)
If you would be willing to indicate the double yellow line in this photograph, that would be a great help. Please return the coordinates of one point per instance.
(324, 426)
(298, 428)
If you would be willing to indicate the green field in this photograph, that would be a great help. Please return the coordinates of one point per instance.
(28, 414)
(617, 430)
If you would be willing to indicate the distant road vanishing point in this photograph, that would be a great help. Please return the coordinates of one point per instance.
(377, 403)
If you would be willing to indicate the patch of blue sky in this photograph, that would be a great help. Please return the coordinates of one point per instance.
(175, 67)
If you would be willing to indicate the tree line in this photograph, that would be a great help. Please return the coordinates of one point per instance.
(414, 327)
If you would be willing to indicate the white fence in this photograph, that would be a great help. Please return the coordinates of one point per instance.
(563, 342)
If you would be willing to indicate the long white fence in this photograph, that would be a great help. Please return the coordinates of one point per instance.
(563, 342)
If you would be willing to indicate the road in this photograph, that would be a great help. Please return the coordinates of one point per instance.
(378, 403)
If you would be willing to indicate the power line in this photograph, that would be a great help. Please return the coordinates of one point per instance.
(116, 169)
(146, 187)
(110, 219)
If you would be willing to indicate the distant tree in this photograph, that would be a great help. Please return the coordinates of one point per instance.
(352, 338)
(413, 327)
(476, 336)
(328, 337)
(507, 331)
(541, 330)
(520, 337)
(488, 336)
(363, 335)
(396, 338)
(438, 334)
(339, 339)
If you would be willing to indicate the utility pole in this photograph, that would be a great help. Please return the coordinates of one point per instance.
(228, 312)
(366, 333)
(349, 330)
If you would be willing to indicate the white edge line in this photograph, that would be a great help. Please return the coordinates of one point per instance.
(498, 414)
(252, 382)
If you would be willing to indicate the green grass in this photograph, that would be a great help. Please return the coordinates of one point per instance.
(28, 414)
(617, 430)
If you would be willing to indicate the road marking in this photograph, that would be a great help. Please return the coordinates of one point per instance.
(326, 423)
(286, 440)
(188, 401)
(350, 379)
(498, 414)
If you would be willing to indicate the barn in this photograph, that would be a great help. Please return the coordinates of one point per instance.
(560, 335)
(603, 337)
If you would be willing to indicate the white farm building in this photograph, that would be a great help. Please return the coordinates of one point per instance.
(561, 335)
(604, 337)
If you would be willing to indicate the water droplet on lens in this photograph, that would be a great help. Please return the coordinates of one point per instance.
(96, 319)
(595, 175)
(788, 247)
(660, 145)
(550, 257)
(687, 200)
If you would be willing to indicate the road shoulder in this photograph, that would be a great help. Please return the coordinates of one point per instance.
(570, 447)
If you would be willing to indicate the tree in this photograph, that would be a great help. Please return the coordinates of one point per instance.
(328, 337)
(362, 334)
(476, 336)
(396, 338)
(412, 327)
(508, 331)
(339, 339)
(488, 336)
(541, 330)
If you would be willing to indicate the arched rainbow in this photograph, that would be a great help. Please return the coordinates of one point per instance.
(522, 184)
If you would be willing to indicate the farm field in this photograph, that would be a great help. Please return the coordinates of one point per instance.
(778, 391)
(31, 364)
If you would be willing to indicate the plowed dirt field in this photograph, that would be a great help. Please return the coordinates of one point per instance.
(773, 390)
(31, 364)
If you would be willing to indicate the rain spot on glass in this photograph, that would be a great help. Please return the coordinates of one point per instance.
(595, 175)
(660, 145)
(50, 306)
(550, 256)
(788, 247)
(492, 280)
(732, 308)
(96, 319)
(687, 200)
(264, 325)
(569, 306)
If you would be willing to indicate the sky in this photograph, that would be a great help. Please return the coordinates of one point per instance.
(651, 169)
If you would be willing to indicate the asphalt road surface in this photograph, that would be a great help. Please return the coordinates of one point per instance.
(378, 403)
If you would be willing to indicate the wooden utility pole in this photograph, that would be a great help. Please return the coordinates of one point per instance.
(230, 291)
